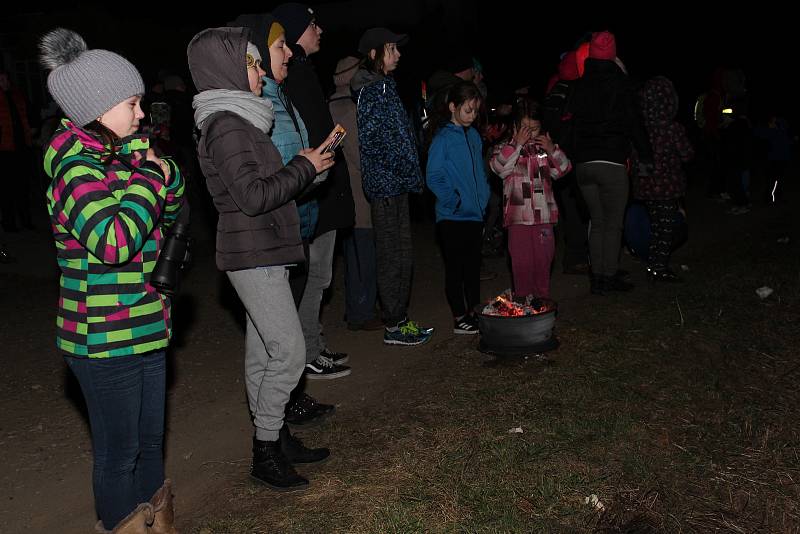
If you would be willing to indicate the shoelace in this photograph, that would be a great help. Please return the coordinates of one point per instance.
(327, 353)
(325, 362)
(410, 328)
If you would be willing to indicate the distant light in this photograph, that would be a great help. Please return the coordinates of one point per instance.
(727, 111)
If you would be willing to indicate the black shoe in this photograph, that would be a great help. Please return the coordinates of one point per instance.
(467, 325)
(338, 358)
(272, 468)
(297, 453)
(324, 369)
(305, 411)
(613, 283)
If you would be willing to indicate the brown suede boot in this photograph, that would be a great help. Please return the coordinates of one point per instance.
(137, 522)
(164, 511)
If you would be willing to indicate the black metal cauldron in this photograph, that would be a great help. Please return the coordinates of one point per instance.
(517, 335)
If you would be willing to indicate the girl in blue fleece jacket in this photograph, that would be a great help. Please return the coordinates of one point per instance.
(455, 174)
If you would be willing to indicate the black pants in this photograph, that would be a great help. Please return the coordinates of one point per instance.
(393, 255)
(573, 217)
(662, 222)
(461, 247)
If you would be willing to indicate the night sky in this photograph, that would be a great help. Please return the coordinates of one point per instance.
(518, 45)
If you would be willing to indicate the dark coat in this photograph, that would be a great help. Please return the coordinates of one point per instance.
(336, 209)
(389, 159)
(669, 141)
(607, 123)
(251, 189)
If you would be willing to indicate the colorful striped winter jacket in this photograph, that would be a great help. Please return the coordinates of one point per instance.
(108, 220)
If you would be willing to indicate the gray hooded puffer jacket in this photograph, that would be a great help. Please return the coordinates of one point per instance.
(251, 189)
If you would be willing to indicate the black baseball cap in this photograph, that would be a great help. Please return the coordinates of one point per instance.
(377, 37)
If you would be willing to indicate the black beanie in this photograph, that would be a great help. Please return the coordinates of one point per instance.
(295, 18)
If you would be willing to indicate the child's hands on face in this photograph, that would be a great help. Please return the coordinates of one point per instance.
(521, 135)
(545, 142)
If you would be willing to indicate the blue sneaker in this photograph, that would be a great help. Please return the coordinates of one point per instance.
(407, 333)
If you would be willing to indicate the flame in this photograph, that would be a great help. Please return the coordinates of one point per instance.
(504, 306)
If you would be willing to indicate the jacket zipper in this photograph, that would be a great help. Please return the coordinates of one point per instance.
(474, 178)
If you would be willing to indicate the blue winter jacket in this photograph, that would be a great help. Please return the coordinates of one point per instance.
(389, 159)
(456, 175)
(290, 136)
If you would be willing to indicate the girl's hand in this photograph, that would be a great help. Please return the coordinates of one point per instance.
(545, 142)
(521, 135)
(151, 156)
(322, 161)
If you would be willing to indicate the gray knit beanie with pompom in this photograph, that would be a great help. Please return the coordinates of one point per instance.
(86, 83)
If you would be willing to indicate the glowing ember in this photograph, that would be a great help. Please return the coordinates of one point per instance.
(506, 305)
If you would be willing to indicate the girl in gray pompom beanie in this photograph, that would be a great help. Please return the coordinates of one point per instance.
(86, 83)
(111, 201)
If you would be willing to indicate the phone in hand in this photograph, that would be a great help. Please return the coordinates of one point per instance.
(338, 135)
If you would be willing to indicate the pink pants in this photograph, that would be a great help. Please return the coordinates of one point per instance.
(532, 248)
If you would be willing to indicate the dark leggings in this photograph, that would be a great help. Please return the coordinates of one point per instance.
(461, 246)
(662, 222)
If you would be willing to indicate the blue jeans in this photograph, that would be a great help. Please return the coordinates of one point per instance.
(125, 398)
(360, 278)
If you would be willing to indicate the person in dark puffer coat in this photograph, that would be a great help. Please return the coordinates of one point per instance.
(607, 123)
(258, 234)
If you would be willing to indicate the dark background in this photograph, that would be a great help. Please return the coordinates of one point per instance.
(518, 44)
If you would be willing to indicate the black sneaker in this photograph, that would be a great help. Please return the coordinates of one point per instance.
(305, 411)
(272, 468)
(338, 358)
(297, 453)
(324, 369)
(467, 325)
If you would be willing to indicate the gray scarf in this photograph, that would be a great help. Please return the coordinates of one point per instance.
(252, 108)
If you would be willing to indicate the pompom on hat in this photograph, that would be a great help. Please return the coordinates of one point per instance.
(86, 83)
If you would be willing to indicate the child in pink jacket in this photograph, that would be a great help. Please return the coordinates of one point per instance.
(528, 163)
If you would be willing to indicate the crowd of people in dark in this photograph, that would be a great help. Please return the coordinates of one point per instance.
(289, 170)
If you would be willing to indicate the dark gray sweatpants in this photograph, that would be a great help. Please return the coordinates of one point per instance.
(393, 255)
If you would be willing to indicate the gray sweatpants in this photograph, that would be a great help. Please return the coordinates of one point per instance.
(274, 347)
(605, 190)
(320, 271)
(393, 255)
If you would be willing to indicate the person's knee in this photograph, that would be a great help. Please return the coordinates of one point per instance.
(118, 460)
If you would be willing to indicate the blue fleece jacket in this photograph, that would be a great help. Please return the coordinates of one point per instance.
(290, 136)
(456, 175)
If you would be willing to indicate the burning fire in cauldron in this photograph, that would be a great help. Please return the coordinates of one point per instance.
(507, 305)
(517, 325)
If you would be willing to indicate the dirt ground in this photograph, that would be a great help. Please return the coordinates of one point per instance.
(45, 473)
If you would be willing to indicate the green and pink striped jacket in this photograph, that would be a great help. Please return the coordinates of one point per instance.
(108, 218)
